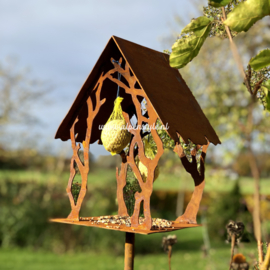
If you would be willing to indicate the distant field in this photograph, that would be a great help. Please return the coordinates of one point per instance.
(218, 184)
(97, 178)
(165, 182)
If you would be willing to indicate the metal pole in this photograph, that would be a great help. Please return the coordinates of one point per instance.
(129, 251)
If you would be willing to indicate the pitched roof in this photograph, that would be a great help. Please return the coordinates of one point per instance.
(170, 96)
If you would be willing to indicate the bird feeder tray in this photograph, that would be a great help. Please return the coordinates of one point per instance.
(88, 221)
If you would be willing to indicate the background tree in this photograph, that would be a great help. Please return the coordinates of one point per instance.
(20, 94)
(22, 98)
(230, 105)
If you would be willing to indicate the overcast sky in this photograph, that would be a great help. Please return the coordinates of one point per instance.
(60, 40)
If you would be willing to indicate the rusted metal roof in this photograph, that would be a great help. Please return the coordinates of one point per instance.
(170, 96)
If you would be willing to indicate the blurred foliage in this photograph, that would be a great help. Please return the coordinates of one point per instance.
(28, 159)
(108, 162)
(217, 27)
(242, 168)
(31, 159)
(256, 77)
(27, 207)
(230, 206)
(75, 190)
(170, 163)
(169, 144)
(81, 157)
(132, 186)
(20, 91)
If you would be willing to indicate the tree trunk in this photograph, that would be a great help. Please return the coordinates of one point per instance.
(256, 176)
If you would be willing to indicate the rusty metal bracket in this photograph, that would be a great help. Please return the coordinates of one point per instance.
(192, 209)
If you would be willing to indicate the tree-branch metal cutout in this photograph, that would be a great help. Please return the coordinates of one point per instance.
(83, 167)
(146, 187)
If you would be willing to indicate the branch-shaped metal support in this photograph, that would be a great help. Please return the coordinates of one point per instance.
(146, 187)
(83, 167)
(121, 182)
(192, 209)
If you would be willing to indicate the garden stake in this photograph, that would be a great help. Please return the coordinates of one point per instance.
(169, 256)
(129, 251)
(232, 250)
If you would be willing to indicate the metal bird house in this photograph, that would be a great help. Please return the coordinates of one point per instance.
(141, 76)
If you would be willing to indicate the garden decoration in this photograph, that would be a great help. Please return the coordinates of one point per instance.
(142, 76)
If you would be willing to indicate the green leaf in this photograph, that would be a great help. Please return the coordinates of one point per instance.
(243, 16)
(267, 98)
(197, 26)
(185, 49)
(219, 3)
(261, 60)
(267, 84)
(266, 88)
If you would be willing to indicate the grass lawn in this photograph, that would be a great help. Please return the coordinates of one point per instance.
(187, 254)
(26, 259)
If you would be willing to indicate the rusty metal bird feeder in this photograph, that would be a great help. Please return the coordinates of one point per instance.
(145, 75)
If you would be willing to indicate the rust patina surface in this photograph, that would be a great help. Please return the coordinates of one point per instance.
(90, 222)
(145, 76)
